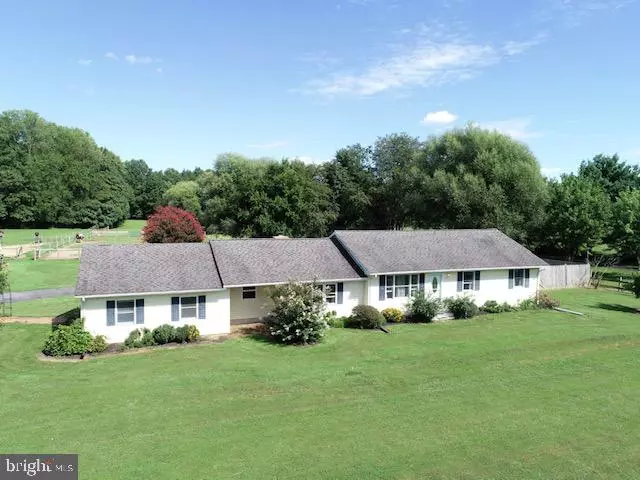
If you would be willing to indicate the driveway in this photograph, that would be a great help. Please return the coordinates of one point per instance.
(38, 294)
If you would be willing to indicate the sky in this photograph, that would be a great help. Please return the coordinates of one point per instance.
(177, 83)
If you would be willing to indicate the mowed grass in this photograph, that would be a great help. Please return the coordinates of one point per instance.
(40, 274)
(522, 395)
(44, 307)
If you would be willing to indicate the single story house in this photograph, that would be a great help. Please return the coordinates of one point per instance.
(223, 282)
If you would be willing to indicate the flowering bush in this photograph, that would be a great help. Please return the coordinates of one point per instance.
(172, 225)
(298, 315)
(393, 315)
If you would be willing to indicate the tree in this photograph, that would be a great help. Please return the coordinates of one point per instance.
(184, 195)
(475, 178)
(172, 225)
(626, 224)
(147, 187)
(577, 215)
(614, 175)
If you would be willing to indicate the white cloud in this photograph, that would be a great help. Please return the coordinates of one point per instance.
(512, 48)
(434, 56)
(517, 128)
(111, 56)
(134, 59)
(576, 12)
(85, 62)
(269, 145)
(442, 117)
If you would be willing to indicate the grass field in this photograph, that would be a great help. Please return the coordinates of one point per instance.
(522, 395)
(34, 275)
(614, 277)
(45, 307)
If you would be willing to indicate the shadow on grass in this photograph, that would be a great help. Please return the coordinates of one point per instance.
(65, 318)
(617, 308)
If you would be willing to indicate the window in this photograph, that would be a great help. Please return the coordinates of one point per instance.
(518, 278)
(400, 286)
(188, 307)
(248, 293)
(125, 311)
(467, 280)
(330, 292)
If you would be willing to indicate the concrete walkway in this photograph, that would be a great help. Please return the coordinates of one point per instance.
(39, 294)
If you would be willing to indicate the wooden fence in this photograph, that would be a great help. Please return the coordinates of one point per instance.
(565, 275)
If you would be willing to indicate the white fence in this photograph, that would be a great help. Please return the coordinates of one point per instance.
(565, 275)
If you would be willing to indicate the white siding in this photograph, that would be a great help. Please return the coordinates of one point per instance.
(494, 285)
(243, 310)
(157, 311)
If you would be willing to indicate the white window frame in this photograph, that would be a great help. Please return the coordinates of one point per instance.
(252, 293)
(410, 284)
(517, 278)
(193, 307)
(468, 285)
(330, 296)
(119, 311)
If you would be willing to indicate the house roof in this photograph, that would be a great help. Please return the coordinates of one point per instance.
(389, 251)
(268, 261)
(146, 268)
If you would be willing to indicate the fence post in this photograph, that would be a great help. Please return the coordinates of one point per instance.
(620, 283)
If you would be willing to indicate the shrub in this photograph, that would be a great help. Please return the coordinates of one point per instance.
(508, 308)
(491, 306)
(462, 307)
(172, 225)
(423, 308)
(527, 304)
(393, 315)
(297, 316)
(99, 344)
(544, 300)
(139, 338)
(364, 316)
(193, 334)
(181, 334)
(68, 340)
(333, 320)
(164, 334)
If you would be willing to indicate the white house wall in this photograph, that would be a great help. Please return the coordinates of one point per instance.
(157, 311)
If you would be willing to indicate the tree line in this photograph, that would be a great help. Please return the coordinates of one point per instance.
(464, 178)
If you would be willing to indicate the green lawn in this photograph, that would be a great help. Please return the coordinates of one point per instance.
(522, 395)
(34, 275)
(614, 277)
(45, 307)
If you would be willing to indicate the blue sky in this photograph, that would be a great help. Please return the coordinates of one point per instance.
(177, 83)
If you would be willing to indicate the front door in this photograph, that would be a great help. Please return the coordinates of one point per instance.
(433, 284)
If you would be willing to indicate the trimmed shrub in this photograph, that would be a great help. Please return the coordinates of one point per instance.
(193, 334)
(491, 306)
(393, 315)
(364, 316)
(181, 334)
(172, 225)
(423, 308)
(68, 340)
(99, 344)
(164, 334)
(462, 307)
(298, 314)
(545, 300)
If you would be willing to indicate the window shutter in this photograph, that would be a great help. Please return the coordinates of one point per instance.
(202, 307)
(459, 281)
(510, 279)
(340, 295)
(421, 282)
(526, 278)
(111, 313)
(140, 310)
(477, 282)
(381, 289)
(175, 309)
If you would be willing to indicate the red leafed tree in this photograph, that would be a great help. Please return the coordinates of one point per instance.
(172, 225)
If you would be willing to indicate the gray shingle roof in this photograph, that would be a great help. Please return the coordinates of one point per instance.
(129, 269)
(264, 261)
(383, 251)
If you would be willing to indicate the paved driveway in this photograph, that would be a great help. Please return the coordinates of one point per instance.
(38, 294)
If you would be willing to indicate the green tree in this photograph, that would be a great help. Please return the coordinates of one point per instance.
(577, 215)
(184, 195)
(626, 224)
(147, 188)
(614, 175)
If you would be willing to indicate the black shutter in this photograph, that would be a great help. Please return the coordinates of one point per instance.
(202, 307)
(381, 289)
(421, 282)
(111, 313)
(526, 278)
(140, 310)
(460, 281)
(510, 279)
(175, 309)
(340, 295)
(477, 282)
